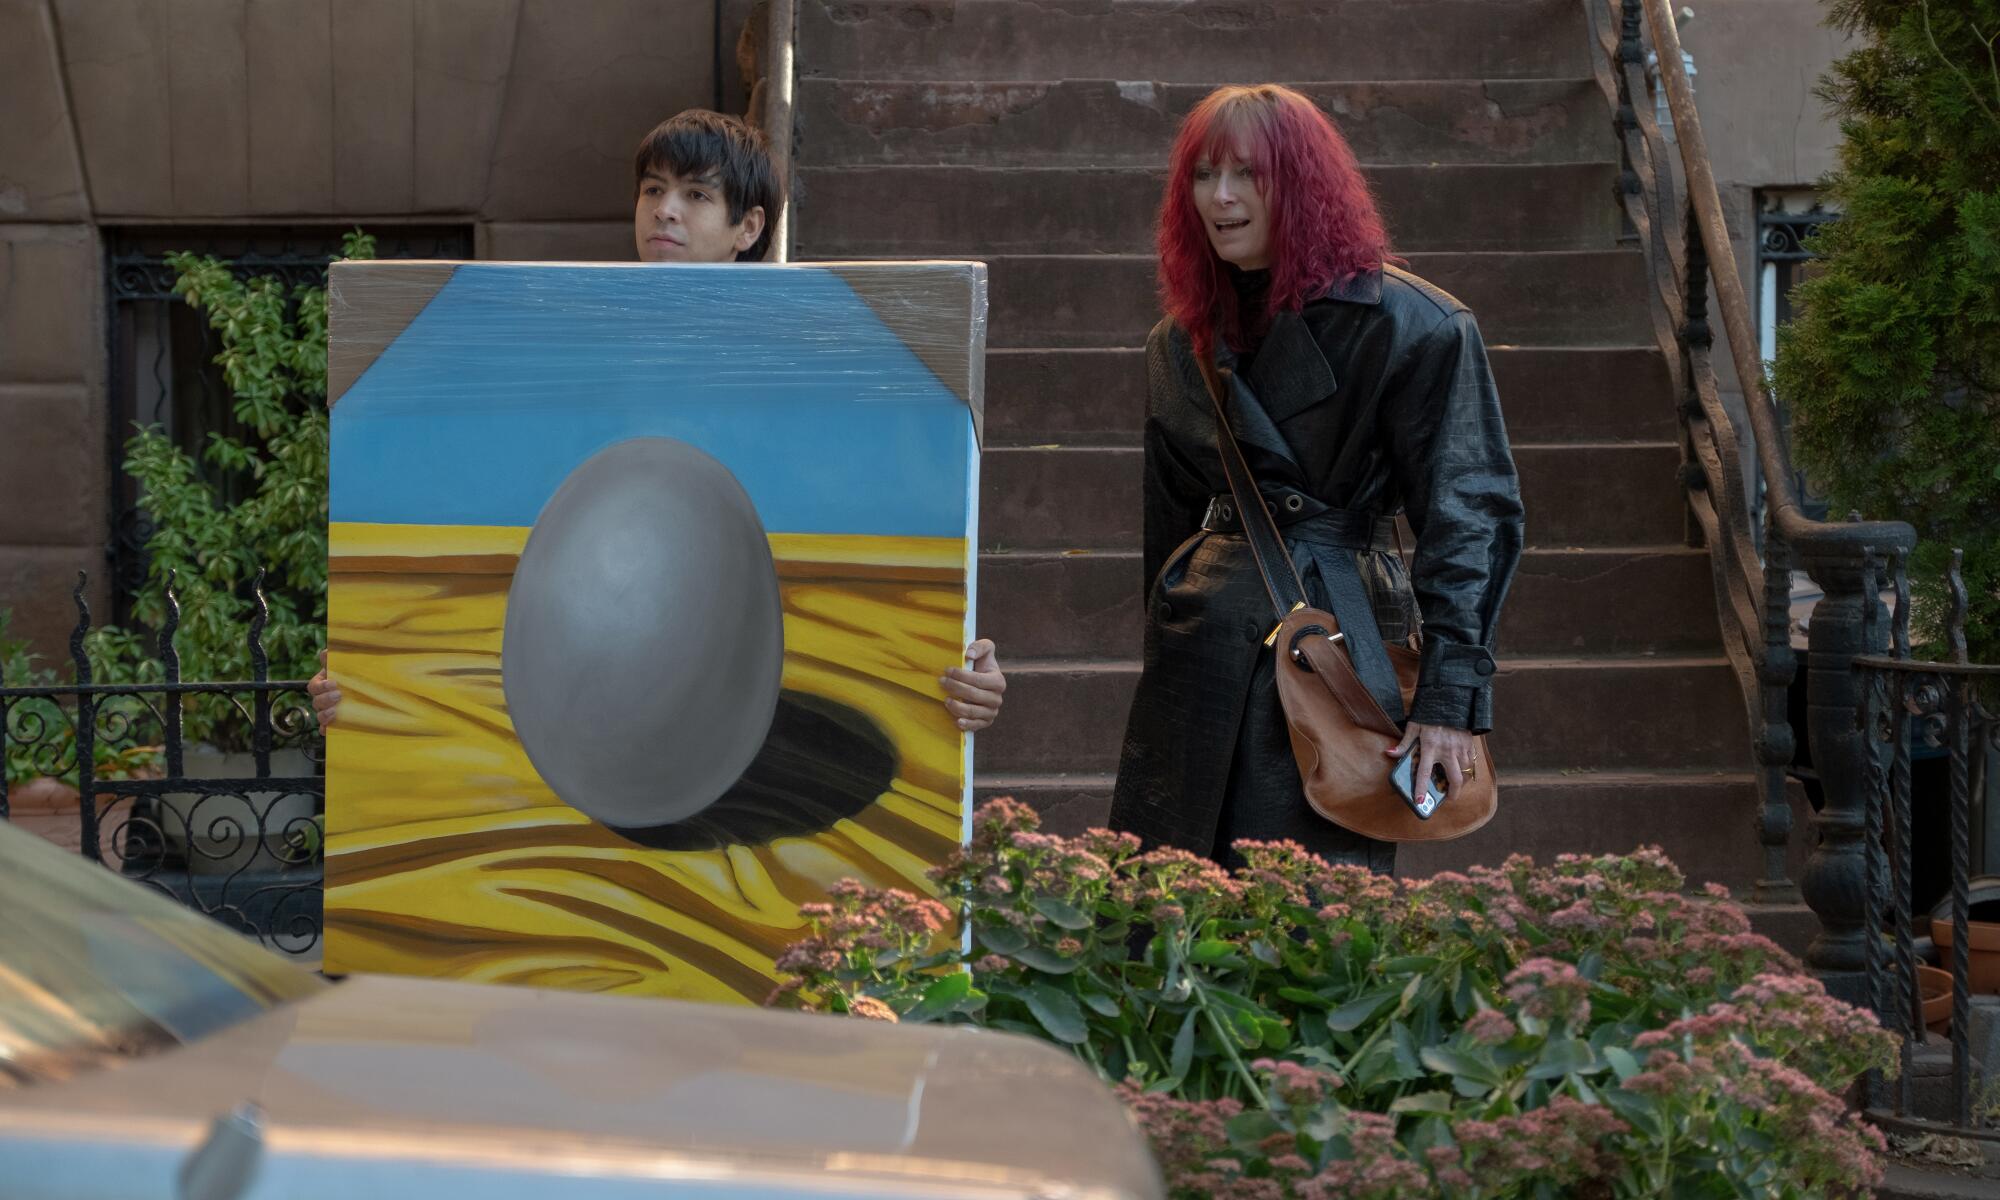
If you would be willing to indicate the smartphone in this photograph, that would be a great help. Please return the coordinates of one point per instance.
(1400, 778)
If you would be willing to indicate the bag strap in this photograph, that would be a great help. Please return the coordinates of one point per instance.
(1363, 678)
(1267, 545)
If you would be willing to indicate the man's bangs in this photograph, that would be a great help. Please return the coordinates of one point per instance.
(690, 152)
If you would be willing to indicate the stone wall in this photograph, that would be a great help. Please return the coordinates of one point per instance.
(517, 117)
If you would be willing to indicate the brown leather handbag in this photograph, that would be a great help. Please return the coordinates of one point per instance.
(1339, 728)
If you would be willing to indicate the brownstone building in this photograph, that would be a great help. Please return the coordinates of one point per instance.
(1026, 132)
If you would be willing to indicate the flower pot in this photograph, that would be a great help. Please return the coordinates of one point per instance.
(1983, 962)
(43, 794)
(227, 833)
(1935, 988)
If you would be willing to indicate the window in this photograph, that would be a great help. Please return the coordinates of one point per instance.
(162, 352)
(1786, 217)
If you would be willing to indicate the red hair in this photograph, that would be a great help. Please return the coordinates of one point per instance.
(1324, 224)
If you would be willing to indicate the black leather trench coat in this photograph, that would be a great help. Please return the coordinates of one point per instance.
(1376, 399)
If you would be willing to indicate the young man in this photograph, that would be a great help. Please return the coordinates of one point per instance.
(705, 192)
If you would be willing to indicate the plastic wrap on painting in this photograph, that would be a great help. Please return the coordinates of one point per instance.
(641, 581)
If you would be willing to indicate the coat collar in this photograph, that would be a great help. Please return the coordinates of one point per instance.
(1290, 373)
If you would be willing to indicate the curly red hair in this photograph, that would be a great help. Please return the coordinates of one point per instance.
(1325, 227)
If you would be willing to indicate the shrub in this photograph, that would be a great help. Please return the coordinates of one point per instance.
(273, 359)
(1892, 369)
(1301, 1029)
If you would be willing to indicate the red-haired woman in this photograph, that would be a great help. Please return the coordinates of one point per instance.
(1369, 395)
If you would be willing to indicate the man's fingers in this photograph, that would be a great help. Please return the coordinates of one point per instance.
(971, 711)
(322, 659)
(962, 689)
(983, 655)
(992, 681)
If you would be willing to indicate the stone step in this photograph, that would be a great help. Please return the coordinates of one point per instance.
(1098, 397)
(1173, 41)
(1549, 298)
(1106, 123)
(1705, 822)
(957, 212)
(1646, 600)
(1608, 494)
(1594, 714)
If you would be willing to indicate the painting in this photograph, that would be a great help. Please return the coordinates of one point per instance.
(641, 579)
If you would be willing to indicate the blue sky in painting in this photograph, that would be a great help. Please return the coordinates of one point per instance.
(513, 375)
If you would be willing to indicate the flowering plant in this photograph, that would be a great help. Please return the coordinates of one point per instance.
(1296, 1028)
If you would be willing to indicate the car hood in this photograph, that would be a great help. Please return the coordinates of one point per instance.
(439, 1070)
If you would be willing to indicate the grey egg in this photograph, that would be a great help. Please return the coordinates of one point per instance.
(644, 640)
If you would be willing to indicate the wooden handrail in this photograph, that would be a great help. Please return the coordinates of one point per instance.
(1772, 457)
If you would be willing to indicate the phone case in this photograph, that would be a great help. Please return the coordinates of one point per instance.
(1400, 777)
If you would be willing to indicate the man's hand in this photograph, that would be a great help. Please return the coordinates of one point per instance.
(974, 692)
(1456, 750)
(325, 695)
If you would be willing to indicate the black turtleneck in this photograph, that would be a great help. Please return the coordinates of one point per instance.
(1253, 291)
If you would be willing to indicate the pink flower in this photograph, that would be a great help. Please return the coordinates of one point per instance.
(1490, 1027)
(871, 1009)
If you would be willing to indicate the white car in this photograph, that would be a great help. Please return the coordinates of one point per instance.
(146, 1051)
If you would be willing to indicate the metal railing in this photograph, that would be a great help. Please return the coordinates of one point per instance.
(781, 83)
(241, 841)
(1947, 705)
(1668, 192)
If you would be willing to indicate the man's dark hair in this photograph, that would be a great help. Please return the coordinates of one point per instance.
(695, 142)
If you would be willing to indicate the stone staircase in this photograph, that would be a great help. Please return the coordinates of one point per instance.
(1013, 131)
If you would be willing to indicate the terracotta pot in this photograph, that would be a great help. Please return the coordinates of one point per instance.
(1935, 987)
(1984, 963)
(45, 794)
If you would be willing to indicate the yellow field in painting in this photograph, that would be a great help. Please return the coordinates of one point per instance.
(446, 854)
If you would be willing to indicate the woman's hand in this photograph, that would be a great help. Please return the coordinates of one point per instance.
(973, 693)
(1456, 750)
(325, 695)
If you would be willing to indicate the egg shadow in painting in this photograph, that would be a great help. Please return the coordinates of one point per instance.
(822, 762)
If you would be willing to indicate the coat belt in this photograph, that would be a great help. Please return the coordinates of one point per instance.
(1304, 519)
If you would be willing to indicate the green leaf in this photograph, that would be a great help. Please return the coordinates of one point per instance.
(1276, 1034)
(1423, 1102)
(941, 998)
(1408, 963)
(1061, 914)
(1447, 1061)
(1182, 1055)
(1212, 950)
(1640, 1111)
(1058, 1013)
(1000, 939)
(1356, 1013)
(1623, 1064)
(1566, 1056)
(1041, 958)
(1303, 998)
(1264, 952)
(1248, 1130)
(1408, 1065)
(1101, 1004)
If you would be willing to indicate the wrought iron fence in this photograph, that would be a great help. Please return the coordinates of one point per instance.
(1949, 705)
(233, 829)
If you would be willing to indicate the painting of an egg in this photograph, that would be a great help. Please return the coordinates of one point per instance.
(644, 639)
(641, 578)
